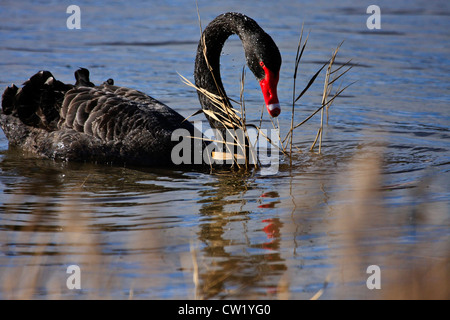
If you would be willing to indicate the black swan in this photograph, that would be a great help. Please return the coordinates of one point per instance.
(112, 124)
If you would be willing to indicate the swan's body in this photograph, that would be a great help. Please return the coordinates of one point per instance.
(112, 124)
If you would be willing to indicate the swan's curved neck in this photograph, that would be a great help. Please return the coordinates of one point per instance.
(207, 63)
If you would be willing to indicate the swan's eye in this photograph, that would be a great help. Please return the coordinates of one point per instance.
(261, 64)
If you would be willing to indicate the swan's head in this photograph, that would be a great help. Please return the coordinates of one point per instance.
(264, 60)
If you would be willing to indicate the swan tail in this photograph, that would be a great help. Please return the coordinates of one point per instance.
(37, 104)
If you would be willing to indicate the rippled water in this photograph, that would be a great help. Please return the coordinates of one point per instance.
(156, 234)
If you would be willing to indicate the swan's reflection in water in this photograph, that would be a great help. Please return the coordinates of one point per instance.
(130, 232)
(237, 257)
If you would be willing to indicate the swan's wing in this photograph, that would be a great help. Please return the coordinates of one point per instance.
(82, 122)
(113, 113)
(132, 126)
(129, 94)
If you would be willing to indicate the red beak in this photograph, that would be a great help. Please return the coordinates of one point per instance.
(269, 90)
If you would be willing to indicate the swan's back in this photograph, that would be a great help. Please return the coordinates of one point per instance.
(83, 122)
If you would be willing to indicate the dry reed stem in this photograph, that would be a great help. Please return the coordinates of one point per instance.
(232, 122)
(298, 57)
(326, 103)
(319, 293)
(370, 233)
(326, 93)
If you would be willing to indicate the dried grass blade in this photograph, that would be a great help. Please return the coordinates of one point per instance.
(342, 66)
(192, 115)
(311, 81)
(340, 75)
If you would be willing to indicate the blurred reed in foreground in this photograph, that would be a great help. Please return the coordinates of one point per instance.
(410, 245)
(42, 235)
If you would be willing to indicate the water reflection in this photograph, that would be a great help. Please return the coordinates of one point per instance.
(59, 209)
(235, 236)
(234, 261)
